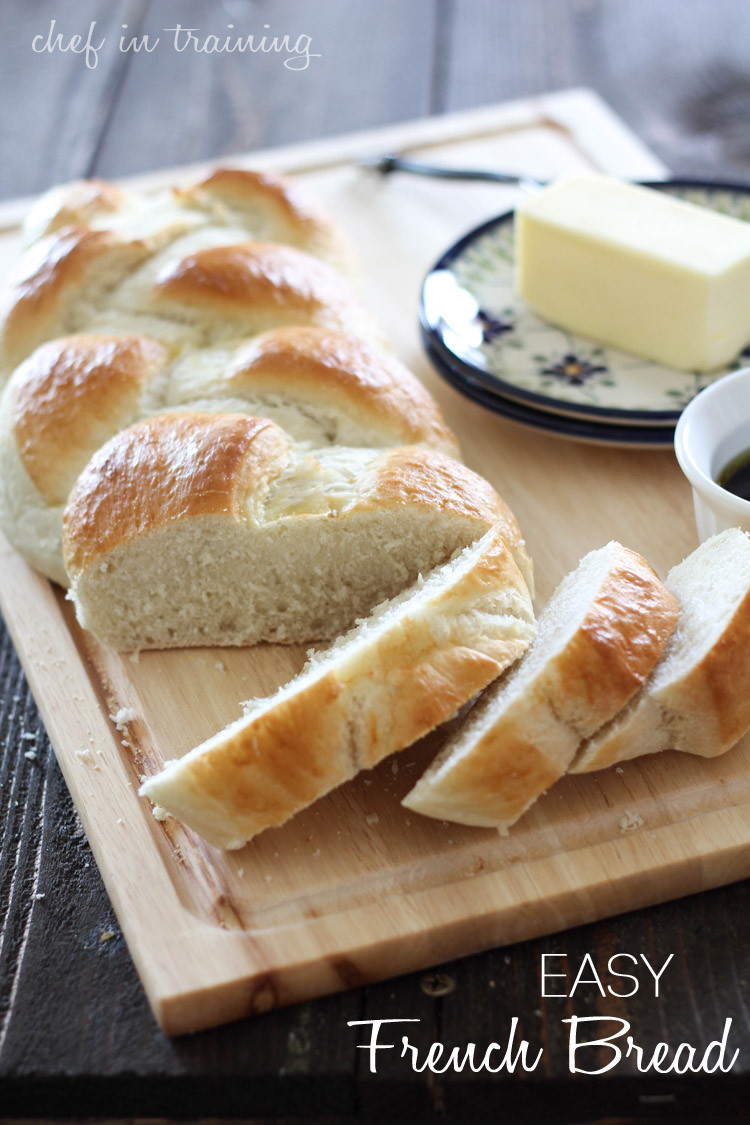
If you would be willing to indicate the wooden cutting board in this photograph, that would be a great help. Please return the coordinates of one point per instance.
(354, 889)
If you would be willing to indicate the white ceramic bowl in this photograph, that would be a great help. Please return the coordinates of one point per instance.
(713, 429)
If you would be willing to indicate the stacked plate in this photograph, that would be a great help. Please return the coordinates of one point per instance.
(483, 339)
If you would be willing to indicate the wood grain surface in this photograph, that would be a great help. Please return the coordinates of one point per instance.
(76, 1036)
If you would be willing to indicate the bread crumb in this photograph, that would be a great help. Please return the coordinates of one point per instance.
(31, 755)
(107, 935)
(240, 871)
(159, 813)
(316, 853)
(630, 821)
(367, 780)
(84, 754)
(372, 818)
(122, 717)
(619, 769)
(135, 657)
(120, 820)
(29, 736)
(394, 767)
(220, 666)
(40, 896)
(268, 878)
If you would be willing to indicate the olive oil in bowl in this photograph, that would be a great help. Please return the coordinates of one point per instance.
(735, 476)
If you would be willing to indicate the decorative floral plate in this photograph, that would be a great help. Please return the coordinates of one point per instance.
(473, 320)
(626, 435)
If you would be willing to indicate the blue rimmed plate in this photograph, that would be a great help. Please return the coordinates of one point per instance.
(579, 429)
(473, 321)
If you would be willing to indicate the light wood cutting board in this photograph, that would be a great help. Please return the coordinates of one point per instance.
(355, 889)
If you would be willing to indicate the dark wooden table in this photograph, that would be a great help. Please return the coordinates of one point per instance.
(76, 1036)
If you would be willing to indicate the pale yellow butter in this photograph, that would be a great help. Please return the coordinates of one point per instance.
(636, 269)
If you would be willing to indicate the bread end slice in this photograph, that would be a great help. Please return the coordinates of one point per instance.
(698, 698)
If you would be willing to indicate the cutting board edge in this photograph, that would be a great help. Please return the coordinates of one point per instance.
(278, 978)
(578, 110)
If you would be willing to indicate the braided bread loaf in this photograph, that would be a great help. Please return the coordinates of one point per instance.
(73, 394)
(197, 397)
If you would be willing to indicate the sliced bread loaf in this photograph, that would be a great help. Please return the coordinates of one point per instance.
(698, 698)
(598, 638)
(194, 529)
(410, 666)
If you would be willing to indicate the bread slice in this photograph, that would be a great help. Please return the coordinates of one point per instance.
(195, 529)
(698, 698)
(598, 638)
(410, 666)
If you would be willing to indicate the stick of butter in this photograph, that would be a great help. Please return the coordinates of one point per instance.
(632, 267)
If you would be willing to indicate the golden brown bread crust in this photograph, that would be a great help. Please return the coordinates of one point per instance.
(291, 755)
(620, 640)
(58, 266)
(502, 778)
(293, 217)
(262, 770)
(269, 206)
(74, 393)
(252, 276)
(329, 366)
(414, 475)
(51, 276)
(179, 465)
(170, 467)
(705, 713)
(73, 204)
(718, 688)
(70, 396)
(492, 778)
